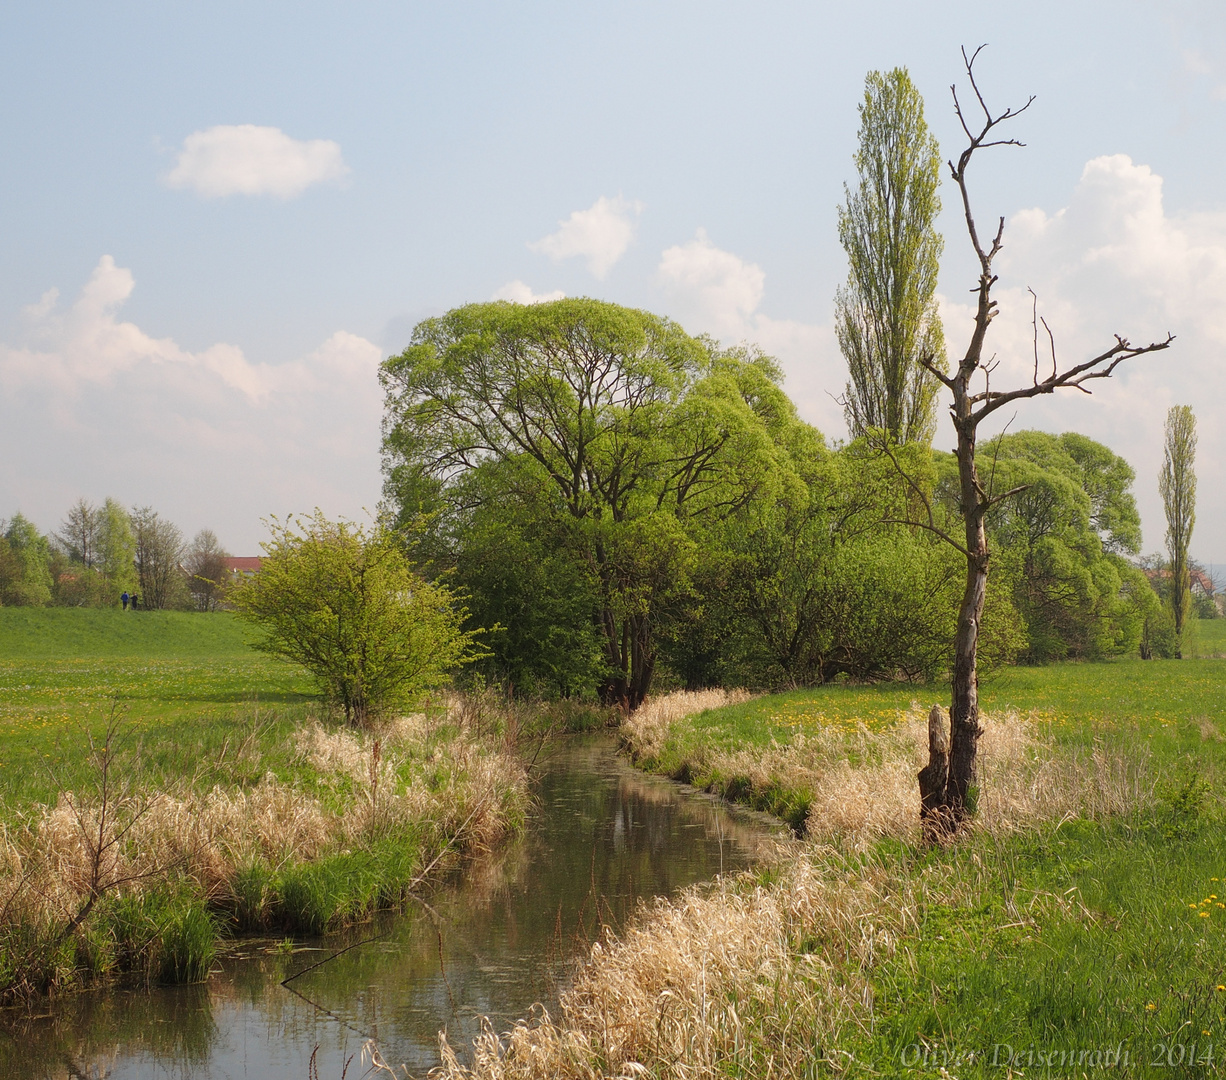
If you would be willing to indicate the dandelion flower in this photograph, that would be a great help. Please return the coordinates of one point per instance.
(1203, 914)
(1150, 1007)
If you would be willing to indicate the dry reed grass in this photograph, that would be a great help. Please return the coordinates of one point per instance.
(861, 784)
(646, 729)
(750, 979)
(432, 779)
(740, 979)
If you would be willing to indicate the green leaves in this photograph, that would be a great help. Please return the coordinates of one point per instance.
(886, 316)
(344, 603)
(609, 431)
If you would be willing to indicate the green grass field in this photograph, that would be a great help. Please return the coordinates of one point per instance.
(185, 684)
(1165, 700)
(205, 721)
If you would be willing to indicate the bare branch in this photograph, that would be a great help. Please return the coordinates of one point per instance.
(928, 365)
(1073, 377)
(996, 455)
(936, 530)
(997, 499)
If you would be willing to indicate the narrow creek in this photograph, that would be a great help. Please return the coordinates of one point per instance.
(498, 938)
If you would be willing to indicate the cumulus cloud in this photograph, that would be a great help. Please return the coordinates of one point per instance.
(1115, 261)
(93, 405)
(717, 292)
(601, 234)
(519, 293)
(721, 288)
(244, 159)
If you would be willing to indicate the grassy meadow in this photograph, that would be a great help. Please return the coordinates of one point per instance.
(184, 684)
(1079, 930)
(225, 800)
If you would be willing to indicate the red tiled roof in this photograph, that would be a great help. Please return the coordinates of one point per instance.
(1199, 577)
(243, 564)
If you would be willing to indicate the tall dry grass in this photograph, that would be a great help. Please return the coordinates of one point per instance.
(759, 979)
(739, 979)
(861, 784)
(432, 782)
(646, 729)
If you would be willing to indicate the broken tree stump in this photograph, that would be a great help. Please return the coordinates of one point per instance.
(933, 778)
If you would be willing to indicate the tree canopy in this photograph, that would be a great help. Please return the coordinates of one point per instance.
(610, 429)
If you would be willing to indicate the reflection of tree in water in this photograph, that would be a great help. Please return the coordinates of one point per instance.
(86, 1033)
(603, 839)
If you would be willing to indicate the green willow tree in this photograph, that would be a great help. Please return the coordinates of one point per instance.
(612, 429)
(1177, 484)
(886, 316)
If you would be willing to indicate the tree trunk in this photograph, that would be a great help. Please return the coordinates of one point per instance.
(963, 781)
(630, 652)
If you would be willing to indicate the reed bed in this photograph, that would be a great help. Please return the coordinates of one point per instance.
(853, 784)
(771, 973)
(111, 875)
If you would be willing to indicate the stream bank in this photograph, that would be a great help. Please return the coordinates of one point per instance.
(494, 940)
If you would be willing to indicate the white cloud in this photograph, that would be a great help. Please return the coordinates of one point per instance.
(94, 406)
(243, 159)
(1114, 261)
(519, 293)
(601, 234)
(716, 292)
(721, 288)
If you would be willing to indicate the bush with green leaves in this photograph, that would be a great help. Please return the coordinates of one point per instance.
(344, 602)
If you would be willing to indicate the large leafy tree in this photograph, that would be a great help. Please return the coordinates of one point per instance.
(159, 548)
(1062, 539)
(24, 577)
(886, 316)
(608, 430)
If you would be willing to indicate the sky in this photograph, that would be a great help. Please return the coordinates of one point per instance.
(218, 219)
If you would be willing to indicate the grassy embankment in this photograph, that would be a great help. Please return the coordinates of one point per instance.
(227, 801)
(1080, 922)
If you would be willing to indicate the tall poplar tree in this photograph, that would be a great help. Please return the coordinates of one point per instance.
(886, 315)
(1177, 483)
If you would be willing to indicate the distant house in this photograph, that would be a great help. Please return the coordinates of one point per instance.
(242, 565)
(1201, 583)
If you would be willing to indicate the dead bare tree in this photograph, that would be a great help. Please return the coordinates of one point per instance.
(949, 784)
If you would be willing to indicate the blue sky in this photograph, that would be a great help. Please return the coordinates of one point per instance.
(244, 207)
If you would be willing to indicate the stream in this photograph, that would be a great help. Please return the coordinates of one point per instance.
(495, 939)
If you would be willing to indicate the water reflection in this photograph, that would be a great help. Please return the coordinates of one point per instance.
(505, 936)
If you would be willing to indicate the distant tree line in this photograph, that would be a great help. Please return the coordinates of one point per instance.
(101, 552)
